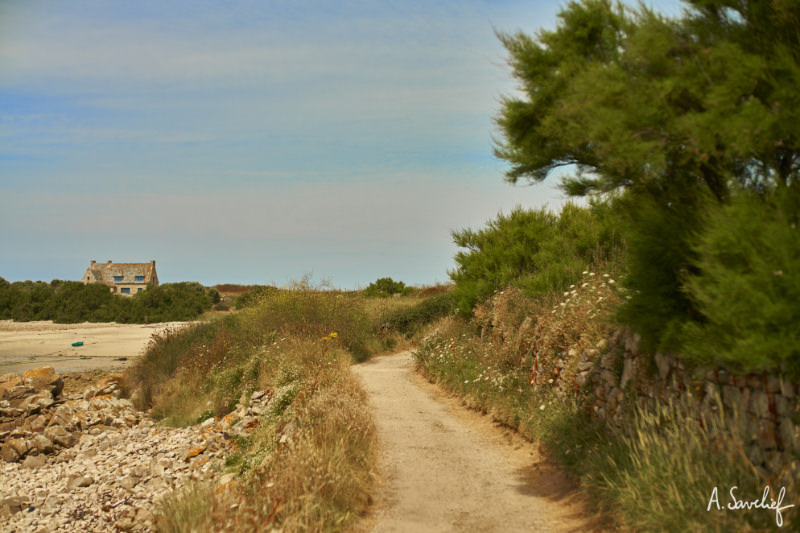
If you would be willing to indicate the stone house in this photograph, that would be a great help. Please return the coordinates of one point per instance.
(122, 278)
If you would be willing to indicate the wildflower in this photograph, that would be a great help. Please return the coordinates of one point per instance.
(585, 272)
(584, 285)
(566, 293)
(611, 281)
(541, 407)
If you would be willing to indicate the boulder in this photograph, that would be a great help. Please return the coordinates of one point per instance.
(34, 462)
(44, 378)
(14, 504)
(62, 437)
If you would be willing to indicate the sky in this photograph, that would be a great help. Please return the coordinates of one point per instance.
(255, 142)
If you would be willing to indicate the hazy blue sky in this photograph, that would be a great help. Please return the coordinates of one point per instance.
(253, 142)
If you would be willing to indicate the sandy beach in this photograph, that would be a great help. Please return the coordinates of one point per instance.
(106, 346)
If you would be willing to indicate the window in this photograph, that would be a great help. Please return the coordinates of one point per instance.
(139, 289)
(139, 279)
(125, 290)
(117, 279)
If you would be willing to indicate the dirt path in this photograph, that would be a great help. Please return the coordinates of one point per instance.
(447, 468)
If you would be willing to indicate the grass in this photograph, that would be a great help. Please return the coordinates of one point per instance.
(516, 359)
(309, 463)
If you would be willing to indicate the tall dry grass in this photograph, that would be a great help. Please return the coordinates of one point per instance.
(517, 358)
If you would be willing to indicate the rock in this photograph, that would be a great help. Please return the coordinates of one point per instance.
(36, 424)
(20, 445)
(257, 395)
(128, 482)
(14, 504)
(34, 403)
(208, 423)
(42, 444)
(124, 524)
(34, 462)
(787, 388)
(44, 378)
(627, 372)
(787, 435)
(663, 364)
(59, 435)
(8, 453)
(62, 415)
(760, 404)
(79, 481)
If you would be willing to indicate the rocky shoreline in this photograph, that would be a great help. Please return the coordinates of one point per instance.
(92, 462)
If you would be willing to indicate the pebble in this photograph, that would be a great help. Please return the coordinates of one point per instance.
(100, 465)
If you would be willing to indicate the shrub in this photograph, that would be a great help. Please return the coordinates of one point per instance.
(385, 287)
(747, 287)
(408, 320)
(254, 296)
(72, 301)
(536, 250)
(306, 310)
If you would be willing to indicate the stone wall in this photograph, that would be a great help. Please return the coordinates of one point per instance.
(766, 406)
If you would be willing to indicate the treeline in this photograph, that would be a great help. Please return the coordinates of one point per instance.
(70, 302)
(684, 132)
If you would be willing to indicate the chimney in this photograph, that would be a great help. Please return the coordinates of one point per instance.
(153, 263)
(93, 262)
(109, 261)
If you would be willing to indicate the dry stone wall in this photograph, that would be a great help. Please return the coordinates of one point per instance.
(767, 406)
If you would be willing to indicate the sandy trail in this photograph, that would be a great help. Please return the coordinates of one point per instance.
(447, 468)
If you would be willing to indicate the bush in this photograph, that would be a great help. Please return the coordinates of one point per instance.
(408, 320)
(254, 296)
(72, 302)
(747, 287)
(536, 250)
(658, 233)
(385, 287)
(306, 310)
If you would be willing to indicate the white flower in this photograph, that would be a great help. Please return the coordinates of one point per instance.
(584, 285)
(541, 407)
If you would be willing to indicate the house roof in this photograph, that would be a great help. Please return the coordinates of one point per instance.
(106, 272)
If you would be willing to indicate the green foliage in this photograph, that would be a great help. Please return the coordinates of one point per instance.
(306, 310)
(385, 287)
(534, 249)
(254, 296)
(747, 285)
(72, 302)
(674, 116)
(408, 320)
